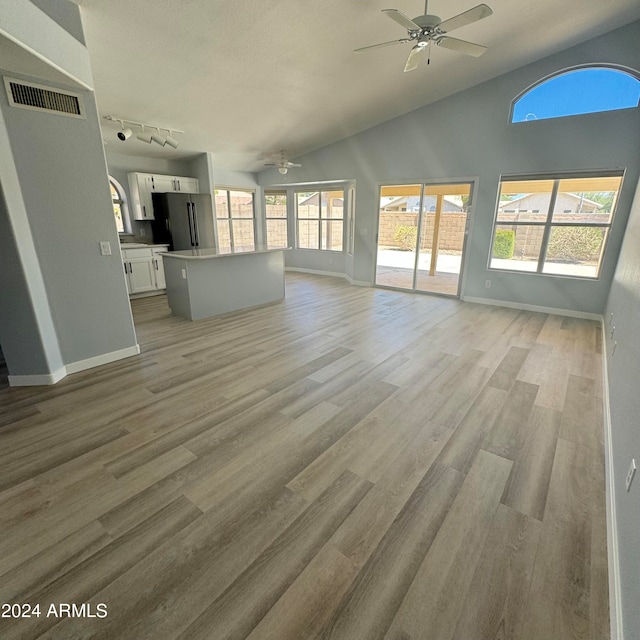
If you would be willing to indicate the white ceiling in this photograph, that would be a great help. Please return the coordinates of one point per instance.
(245, 78)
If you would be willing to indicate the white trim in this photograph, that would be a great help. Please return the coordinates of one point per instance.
(104, 358)
(615, 590)
(74, 367)
(38, 379)
(534, 307)
(334, 274)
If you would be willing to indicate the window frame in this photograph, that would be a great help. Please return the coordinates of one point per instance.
(122, 201)
(548, 223)
(320, 219)
(231, 219)
(276, 192)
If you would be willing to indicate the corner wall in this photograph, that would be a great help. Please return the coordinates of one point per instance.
(623, 368)
(61, 196)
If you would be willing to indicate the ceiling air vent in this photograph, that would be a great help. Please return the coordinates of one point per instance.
(27, 95)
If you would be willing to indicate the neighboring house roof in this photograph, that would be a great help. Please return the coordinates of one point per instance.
(451, 203)
(313, 199)
(523, 196)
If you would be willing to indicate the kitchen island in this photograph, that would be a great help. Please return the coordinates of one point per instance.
(207, 282)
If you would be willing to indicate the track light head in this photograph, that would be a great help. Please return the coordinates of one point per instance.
(172, 142)
(125, 134)
(143, 136)
(158, 139)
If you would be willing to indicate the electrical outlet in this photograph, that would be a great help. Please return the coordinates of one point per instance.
(143, 231)
(487, 284)
(105, 248)
(631, 473)
(184, 274)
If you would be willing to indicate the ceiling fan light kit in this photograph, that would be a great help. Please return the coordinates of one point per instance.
(425, 29)
(283, 164)
(126, 132)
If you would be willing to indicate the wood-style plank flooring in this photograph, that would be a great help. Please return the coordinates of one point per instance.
(348, 464)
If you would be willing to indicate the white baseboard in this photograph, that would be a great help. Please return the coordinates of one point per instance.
(74, 367)
(615, 593)
(104, 358)
(38, 379)
(334, 274)
(534, 307)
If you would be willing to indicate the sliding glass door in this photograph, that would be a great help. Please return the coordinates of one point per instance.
(421, 236)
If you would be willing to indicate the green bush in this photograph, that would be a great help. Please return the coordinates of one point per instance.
(406, 237)
(504, 243)
(574, 244)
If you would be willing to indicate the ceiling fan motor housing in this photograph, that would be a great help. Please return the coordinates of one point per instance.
(427, 22)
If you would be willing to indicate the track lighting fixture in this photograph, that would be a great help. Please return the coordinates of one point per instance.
(143, 136)
(125, 132)
(172, 142)
(158, 139)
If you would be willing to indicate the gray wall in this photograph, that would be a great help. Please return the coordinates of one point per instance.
(469, 135)
(624, 384)
(55, 214)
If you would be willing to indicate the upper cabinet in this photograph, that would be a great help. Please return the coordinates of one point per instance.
(143, 185)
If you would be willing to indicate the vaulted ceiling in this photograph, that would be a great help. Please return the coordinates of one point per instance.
(244, 79)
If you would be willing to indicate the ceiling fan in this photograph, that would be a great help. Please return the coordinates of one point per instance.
(283, 164)
(425, 29)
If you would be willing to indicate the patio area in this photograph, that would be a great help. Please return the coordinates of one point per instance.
(395, 269)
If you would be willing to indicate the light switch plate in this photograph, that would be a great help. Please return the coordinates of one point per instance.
(105, 248)
(632, 472)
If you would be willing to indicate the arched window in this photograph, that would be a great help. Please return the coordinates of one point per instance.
(578, 91)
(119, 205)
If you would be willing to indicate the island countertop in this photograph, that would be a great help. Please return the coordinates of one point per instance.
(204, 282)
(208, 253)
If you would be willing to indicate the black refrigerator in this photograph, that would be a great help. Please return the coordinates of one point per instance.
(184, 221)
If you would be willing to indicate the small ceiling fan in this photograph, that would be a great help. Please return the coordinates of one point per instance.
(425, 29)
(283, 164)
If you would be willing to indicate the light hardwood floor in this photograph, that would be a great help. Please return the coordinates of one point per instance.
(350, 463)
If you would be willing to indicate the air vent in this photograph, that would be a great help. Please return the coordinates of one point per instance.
(27, 95)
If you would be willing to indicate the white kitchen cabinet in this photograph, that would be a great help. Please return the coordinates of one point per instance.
(161, 283)
(144, 269)
(143, 185)
(187, 185)
(141, 188)
(174, 184)
(163, 184)
(141, 275)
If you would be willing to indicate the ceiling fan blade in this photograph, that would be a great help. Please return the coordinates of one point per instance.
(414, 58)
(401, 19)
(462, 19)
(293, 164)
(382, 44)
(462, 46)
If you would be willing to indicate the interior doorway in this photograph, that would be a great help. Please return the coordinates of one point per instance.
(422, 231)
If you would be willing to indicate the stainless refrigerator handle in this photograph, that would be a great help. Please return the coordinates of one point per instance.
(195, 223)
(190, 224)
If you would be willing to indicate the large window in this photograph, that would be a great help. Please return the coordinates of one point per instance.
(554, 225)
(276, 217)
(320, 220)
(235, 219)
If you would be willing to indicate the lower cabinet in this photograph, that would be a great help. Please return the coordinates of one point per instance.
(144, 270)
